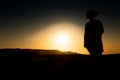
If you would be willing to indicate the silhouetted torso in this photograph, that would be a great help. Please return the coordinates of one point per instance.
(93, 36)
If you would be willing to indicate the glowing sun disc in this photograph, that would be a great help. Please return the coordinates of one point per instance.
(62, 40)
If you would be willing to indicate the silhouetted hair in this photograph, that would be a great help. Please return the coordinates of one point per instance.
(91, 13)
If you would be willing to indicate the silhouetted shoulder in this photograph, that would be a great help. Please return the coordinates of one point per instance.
(98, 21)
(95, 22)
(87, 24)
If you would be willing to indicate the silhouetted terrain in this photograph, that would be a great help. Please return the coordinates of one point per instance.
(56, 65)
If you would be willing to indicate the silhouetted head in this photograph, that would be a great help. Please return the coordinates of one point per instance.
(91, 14)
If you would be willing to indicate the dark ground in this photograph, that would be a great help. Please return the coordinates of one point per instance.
(56, 65)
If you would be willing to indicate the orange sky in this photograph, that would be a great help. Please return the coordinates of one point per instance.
(46, 39)
(39, 24)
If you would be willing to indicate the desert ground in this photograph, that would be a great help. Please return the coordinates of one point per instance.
(57, 65)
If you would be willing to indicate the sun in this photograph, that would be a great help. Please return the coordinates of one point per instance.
(62, 40)
(63, 36)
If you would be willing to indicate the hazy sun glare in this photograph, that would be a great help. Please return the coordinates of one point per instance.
(62, 40)
(62, 36)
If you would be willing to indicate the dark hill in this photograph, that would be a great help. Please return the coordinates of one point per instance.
(57, 65)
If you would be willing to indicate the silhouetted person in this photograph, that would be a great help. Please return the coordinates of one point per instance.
(93, 34)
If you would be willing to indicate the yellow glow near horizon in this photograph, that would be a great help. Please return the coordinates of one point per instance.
(62, 36)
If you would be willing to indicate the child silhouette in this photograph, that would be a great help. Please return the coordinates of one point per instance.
(93, 34)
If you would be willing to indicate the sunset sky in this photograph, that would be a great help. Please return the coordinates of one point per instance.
(56, 24)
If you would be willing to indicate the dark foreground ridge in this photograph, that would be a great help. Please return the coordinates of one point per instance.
(56, 65)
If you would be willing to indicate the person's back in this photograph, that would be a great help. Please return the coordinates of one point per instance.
(93, 34)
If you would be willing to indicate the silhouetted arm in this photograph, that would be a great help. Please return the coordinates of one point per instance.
(85, 36)
(101, 29)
